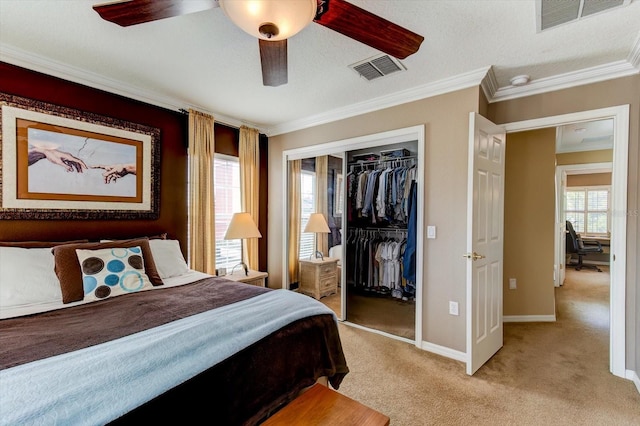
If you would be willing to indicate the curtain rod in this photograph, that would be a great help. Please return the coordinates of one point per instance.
(226, 123)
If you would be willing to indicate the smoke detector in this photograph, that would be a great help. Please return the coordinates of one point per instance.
(520, 80)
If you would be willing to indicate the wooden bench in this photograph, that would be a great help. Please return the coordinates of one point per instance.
(323, 406)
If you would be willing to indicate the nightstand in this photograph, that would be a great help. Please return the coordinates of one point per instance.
(318, 277)
(256, 278)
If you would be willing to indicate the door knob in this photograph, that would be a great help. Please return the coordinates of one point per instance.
(473, 256)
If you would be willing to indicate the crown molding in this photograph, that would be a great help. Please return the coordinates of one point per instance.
(48, 66)
(595, 74)
(634, 55)
(462, 81)
(484, 77)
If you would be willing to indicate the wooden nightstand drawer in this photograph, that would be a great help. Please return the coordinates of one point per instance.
(327, 282)
(256, 281)
(256, 278)
(326, 269)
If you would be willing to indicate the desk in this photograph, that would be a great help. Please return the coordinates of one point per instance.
(604, 242)
(256, 278)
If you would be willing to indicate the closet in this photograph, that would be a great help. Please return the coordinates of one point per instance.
(379, 284)
(379, 238)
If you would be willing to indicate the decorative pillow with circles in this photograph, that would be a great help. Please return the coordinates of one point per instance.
(112, 271)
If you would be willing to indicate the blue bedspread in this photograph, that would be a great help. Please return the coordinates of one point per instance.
(100, 383)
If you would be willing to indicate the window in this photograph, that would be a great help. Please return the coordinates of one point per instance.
(588, 209)
(226, 175)
(308, 206)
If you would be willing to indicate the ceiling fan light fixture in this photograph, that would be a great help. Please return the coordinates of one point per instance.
(269, 30)
(288, 17)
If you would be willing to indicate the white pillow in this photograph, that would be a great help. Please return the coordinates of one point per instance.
(168, 258)
(27, 276)
(112, 271)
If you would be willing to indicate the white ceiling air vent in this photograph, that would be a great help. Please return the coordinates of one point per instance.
(550, 13)
(378, 66)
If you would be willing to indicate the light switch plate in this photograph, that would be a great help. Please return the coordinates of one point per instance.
(431, 231)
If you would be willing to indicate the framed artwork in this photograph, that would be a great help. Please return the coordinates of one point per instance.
(61, 163)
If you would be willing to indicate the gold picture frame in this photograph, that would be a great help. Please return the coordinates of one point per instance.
(62, 163)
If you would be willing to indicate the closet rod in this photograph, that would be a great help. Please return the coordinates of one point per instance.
(382, 160)
(396, 230)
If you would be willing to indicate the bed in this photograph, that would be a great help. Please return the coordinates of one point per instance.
(164, 344)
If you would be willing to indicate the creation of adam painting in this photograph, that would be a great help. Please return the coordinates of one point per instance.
(60, 163)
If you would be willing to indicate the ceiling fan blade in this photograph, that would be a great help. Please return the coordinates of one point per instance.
(370, 29)
(273, 57)
(132, 12)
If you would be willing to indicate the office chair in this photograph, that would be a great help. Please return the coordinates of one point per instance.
(576, 245)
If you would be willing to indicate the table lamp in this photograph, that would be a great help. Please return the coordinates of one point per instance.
(240, 228)
(318, 225)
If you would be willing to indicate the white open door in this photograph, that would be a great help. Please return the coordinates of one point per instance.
(560, 229)
(485, 220)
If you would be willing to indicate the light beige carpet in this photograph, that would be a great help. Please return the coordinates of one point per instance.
(546, 373)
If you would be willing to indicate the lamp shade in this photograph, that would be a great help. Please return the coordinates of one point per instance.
(270, 19)
(317, 223)
(242, 226)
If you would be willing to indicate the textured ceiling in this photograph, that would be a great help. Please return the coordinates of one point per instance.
(203, 61)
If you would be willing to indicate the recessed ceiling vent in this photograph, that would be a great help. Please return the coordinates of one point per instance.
(550, 13)
(377, 67)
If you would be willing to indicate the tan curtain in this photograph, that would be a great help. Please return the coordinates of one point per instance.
(202, 239)
(249, 154)
(294, 196)
(322, 206)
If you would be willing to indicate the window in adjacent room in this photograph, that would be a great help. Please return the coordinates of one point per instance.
(587, 208)
(226, 171)
(308, 206)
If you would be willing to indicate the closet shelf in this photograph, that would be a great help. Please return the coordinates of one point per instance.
(381, 160)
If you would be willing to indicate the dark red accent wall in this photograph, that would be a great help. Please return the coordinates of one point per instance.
(173, 175)
(173, 127)
(264, 201)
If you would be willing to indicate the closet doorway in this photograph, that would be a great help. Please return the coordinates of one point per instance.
(366, 303)
(380, 238)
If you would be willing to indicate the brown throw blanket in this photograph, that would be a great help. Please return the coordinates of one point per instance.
(26, 339)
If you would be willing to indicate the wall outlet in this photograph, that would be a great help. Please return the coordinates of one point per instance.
(453, 308)
(512, 284)
(431, 232)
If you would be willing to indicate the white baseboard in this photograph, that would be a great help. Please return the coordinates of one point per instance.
(633, 376)
(529, 318)
(429, 347)
(444, 351)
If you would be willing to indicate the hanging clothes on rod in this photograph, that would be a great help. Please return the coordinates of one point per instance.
(378, 196)
(378, 262)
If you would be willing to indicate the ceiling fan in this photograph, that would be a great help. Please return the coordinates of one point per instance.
(273, 22)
